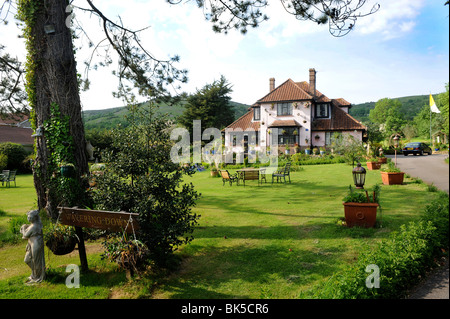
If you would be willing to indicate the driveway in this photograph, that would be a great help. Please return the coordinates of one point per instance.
(429, 168)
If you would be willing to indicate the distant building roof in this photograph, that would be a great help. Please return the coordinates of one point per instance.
(13, 119)
(16, 134)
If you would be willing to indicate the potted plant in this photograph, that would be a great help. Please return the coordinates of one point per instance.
(214, 171)
(287, 149)
(382, 159)
(60, 239)
(373, 164)
(130, 254)
(67, 169)
(322, 150)
(391, 175)
(315, 151)
(360, 207)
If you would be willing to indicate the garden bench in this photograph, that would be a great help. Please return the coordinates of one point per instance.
(227, 177)
(282, 173)
(247, 174)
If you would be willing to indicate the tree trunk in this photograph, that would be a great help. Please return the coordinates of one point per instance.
(55, 82)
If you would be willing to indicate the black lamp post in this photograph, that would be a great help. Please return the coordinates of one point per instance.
(359, 176)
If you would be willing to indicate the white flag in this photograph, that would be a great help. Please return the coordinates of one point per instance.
(433, 106)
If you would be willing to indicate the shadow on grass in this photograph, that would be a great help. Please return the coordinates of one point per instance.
(218, 269)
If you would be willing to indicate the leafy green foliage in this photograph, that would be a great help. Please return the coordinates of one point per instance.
(15, 154)
(211, 105)
(359, 196)
(141, 178)
(129, 254)
(402, 259)
(437, 212)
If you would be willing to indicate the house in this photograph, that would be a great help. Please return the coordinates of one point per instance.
(16, 129)
(294, 115)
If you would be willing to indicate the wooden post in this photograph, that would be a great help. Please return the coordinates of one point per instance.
(81, 249)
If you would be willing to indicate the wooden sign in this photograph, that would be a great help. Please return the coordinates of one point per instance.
(100, 219)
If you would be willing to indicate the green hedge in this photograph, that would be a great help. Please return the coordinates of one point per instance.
(15, 154)
(402, 259)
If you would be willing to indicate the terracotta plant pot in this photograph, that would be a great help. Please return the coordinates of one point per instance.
(389, 178)
(214, 173)
(360, 214)
(382, 160)
(373, 165)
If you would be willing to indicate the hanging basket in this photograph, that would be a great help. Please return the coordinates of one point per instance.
(61, 246)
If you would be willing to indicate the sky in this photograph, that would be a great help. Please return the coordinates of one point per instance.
(402, 50)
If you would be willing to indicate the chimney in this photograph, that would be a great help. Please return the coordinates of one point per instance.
(272, 84)
(312, 82)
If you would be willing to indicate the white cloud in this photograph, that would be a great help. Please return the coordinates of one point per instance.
(393, 19)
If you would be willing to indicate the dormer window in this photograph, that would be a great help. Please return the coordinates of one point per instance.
(322, 110)
(256, 113)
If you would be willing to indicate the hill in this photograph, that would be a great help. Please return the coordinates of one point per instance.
(411, 105)
(110, 118)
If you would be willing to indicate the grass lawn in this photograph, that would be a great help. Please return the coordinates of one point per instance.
(266, 241)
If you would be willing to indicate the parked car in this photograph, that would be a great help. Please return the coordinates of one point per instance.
(416, 148)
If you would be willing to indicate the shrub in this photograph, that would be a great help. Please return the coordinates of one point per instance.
(437, 212)
(3, 161)
(139, 177)
(15, 154)
(402, 259)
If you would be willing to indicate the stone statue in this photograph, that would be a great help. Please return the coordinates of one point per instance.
(34, 256)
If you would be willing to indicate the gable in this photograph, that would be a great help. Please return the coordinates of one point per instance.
(245, 122)
(288, 91)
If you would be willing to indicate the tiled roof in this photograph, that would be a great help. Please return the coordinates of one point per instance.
(288, 91)
(320, 97)
(13, 118)
(15, 134)
(340, 120)
(245, 122)
(280, 123)
(341, 102)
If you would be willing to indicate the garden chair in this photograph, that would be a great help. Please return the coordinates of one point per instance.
(262, 174)
(4, 176)
(11, 178)
(286, 171)
(227, 177)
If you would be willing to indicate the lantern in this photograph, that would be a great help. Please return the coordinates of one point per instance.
(359, 176)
